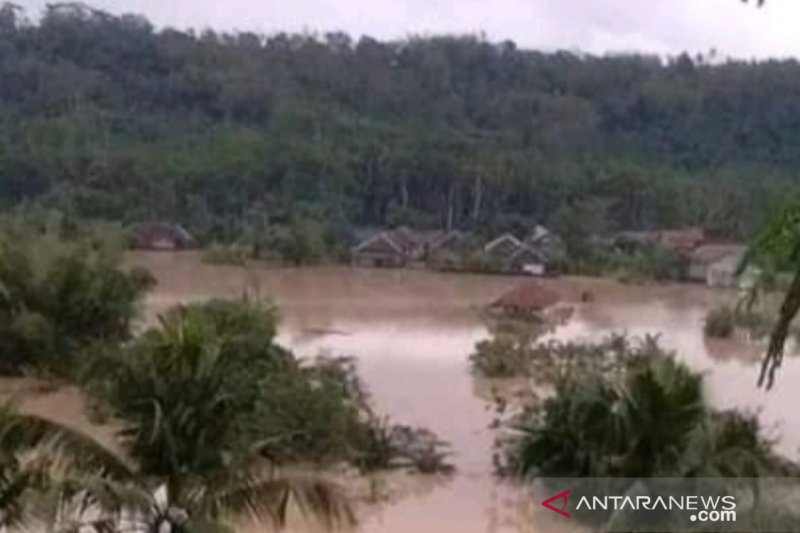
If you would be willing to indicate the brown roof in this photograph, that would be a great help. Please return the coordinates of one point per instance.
(528, 296)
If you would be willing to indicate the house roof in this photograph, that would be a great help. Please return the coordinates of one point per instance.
(382, 242)
(681, 239)
(506, 245)
(156, 230)
(452, 237)
(710, 253)
(528, 296)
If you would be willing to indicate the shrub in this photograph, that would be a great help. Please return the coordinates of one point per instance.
(59, 297)
(720, 322)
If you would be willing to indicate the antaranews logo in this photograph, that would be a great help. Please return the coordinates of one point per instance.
(701, 508)
(561, 496)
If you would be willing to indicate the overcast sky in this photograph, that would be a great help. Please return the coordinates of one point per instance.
(661, 26)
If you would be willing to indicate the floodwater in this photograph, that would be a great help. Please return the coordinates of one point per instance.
(411, 332)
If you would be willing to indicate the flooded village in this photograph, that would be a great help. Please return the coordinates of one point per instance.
(399, 266)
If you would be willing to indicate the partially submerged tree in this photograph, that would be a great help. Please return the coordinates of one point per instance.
(650, 419)
(186, 395)
(59, 296)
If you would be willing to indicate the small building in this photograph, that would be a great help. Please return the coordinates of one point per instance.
(550, 247)
(529, 298)
(160, 236)
(502, 248)
(448, 249)
(716, 264)
(379, 250)
(512, 255)
(399, 247)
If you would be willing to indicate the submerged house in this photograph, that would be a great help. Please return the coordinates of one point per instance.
(405, 246)
(448, 249)
(381, 250)
(160, 236)
(537, 255)
(528, 298)
(716, 265)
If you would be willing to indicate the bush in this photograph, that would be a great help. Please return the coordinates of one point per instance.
(317, 411)
(720, 322)
(514, 352)
(647, 418)
(59, 297)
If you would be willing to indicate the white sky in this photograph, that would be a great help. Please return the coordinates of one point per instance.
(661, 26)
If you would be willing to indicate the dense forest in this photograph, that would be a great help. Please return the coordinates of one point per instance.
(237, 135)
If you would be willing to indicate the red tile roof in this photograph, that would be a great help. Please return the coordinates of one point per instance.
(529, 296)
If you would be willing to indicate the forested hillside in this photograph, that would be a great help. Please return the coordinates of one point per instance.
(231, 134)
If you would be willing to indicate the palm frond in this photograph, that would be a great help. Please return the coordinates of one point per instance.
(270, 500)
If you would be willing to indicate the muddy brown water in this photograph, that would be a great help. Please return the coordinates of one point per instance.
(411, 332)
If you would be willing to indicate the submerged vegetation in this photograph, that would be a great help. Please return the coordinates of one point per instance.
(212, 419)
(627, 409)
(61, 293)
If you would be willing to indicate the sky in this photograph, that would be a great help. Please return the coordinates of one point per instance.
(730, 27)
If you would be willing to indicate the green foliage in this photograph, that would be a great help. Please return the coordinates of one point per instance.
(647, 419)
(231, 134)
(217, 365)
(59, 296)
(516, 352)
(188, 394)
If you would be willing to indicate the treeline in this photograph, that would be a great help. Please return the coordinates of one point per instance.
(241, 135)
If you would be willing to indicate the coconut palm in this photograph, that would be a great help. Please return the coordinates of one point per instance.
(650, 421)
(38, 456)
(186, 404)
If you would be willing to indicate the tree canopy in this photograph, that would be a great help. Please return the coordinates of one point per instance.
(299, 138)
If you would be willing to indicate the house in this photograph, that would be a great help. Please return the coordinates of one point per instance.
(379, 250)
(527, 298)
(536, 256)
(548, 245)
(160, 236)
(716, 265)
(448, 249)
(502, 248)
(398, 247)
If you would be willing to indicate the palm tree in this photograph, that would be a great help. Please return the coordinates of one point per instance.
(185, 402)
(38, 456)
(650, 421)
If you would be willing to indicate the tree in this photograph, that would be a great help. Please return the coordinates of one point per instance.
(40, 457)
(777, 249)
(60, 296)
(642, 417)
(185, 396)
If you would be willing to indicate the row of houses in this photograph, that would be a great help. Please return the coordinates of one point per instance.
(538, 254)
(708, 261)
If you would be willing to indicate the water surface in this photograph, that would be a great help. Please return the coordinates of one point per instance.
(412, 331)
